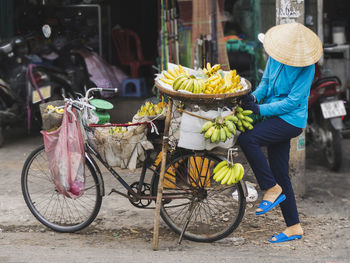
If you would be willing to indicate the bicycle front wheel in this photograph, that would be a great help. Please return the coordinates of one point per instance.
(194, 201)
(51, 208)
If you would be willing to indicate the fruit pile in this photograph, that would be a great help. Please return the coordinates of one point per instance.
(224, 128)
(171, 75)
(218, 85)
(228, 173)
(220, 130)
(213, 81)
(189, 83)
(117, 130)
(211, 70)
(150, 109)
(52, 108)
(242, 120)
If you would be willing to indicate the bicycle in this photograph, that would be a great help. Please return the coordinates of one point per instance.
(193, 205)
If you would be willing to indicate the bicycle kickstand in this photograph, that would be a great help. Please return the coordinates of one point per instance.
(190, 212)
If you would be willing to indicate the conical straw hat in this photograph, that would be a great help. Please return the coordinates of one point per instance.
(293, 44)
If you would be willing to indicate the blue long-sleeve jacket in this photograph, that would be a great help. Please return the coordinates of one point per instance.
(284, 91)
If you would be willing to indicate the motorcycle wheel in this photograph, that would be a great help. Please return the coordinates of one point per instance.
(333, 149)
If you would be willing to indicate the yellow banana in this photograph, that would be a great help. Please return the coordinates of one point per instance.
(178, 81)
(168, 76)
(167, 81)
(232, 178)
(227, 176)
(183, 84)
(189, 86)
(241, 172)
(219, 166)
(236, 170)
(181, 69)
(222, 173)
(219, 172)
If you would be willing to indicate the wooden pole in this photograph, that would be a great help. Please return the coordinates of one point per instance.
(288, 11)
(161, 175)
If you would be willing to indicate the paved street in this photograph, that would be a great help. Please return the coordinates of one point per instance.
(122, 232)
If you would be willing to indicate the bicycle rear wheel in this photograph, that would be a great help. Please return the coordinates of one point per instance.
(209, 209)
(51, 208)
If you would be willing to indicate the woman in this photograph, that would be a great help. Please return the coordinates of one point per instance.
(281, 98)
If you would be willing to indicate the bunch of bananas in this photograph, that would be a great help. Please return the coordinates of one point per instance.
(211, 70)
(230, 83)
(220, 130)
(117, 130)
(228, 173)
(150, 109)
(242, 120)
(53, 108)
(189, 83)
(169, 76)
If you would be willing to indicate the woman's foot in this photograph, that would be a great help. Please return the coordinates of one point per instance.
(271, 195)
(294, 230)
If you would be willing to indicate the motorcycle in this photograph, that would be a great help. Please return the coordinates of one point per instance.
(24, 84)
(325, 110)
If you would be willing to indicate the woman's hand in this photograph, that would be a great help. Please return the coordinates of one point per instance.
(248, 98)
(249, 103)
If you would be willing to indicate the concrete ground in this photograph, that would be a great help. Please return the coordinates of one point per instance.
(122, 232)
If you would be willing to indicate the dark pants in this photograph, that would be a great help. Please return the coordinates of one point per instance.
(274, 133)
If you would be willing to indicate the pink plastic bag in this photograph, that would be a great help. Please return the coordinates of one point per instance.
(64, 148)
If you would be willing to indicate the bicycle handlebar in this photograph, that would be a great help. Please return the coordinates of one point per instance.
(98, 89)
(84, 102)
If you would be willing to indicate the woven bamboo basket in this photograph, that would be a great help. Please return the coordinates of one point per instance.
(226, 99)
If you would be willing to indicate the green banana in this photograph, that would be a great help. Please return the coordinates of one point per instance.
(206, 126)
(241, 128)
(228, 133)
(247, 112)
(240, 116)
(219, 134)
(222, 134)
(215, 136)
(245, 123)
(231, 127)
(209, 132)
(239, 109)
(231, 118)
(248, 119)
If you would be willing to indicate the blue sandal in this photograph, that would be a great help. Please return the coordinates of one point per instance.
(267, 205)
(283, 237)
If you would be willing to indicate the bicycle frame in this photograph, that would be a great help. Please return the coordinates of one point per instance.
(146, 165)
